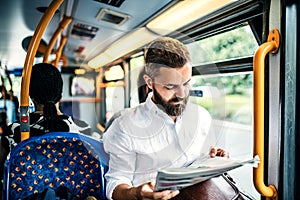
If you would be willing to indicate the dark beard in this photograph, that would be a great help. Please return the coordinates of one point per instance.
(166, 106)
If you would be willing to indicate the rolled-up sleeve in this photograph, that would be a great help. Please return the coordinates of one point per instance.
(121, 158)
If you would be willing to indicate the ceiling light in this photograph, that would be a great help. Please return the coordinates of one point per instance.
(100, 60)
(132, 41)
(177, 16)
(79, 71)
(184, 13)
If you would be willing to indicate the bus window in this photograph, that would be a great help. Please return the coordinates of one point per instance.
(113, 85)
(237, 43)
(231, 103)
(227, 94)
(114, 73)
(231, 107)
(136, 68)
(83, 86)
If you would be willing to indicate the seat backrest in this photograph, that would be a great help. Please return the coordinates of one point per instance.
(73, 160)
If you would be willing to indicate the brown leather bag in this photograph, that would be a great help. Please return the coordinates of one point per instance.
(217, 188)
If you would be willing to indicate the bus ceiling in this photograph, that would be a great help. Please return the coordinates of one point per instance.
(102, 31)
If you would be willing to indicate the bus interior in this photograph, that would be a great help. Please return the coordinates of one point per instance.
(98, 45)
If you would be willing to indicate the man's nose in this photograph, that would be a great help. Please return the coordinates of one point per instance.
(181, 92)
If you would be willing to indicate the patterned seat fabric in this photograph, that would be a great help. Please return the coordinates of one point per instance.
(53, 161)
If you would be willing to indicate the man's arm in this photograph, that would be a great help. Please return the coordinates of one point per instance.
(124, 191)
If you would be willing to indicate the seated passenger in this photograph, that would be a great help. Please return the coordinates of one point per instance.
(9, 104)
(45, 91)
(166, 131)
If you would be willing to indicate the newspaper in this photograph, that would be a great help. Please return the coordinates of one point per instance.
(200, 170)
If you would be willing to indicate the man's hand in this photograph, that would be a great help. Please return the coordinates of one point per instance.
(142, 192)
(146, 191)
(214, 151)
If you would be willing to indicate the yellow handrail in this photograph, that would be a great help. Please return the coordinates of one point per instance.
(272, 46)
(26, 74)
(62, 25)
(64, 60)
(59, 50)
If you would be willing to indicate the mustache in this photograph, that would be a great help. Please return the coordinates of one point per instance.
(176, 99)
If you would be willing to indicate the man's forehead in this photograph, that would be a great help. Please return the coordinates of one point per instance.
(174, 75)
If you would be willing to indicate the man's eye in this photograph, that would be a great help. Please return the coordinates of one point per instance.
(169, 87)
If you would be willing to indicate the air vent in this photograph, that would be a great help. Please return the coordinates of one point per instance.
(112, 17)
(115, 3)
(84, 31)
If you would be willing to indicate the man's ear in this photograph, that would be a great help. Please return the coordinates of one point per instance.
(148, 80)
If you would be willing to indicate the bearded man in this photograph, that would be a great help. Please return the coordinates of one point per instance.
(166, 131)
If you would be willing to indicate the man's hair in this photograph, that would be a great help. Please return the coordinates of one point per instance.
(165, 52)
(46, 88)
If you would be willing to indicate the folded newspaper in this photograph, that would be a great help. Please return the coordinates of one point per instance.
(198, 171)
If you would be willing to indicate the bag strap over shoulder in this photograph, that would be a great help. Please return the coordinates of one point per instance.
(240, 193)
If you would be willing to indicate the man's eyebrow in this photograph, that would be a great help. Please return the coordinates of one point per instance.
(171, 84)
(188, 80)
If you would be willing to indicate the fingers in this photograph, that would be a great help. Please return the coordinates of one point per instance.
(146, 192)
(218, 152)
(171, 195)
(213, 152)
(222, 153)
(166, 194)
(152, 185)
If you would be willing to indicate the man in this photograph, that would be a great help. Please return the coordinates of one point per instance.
(164, 132)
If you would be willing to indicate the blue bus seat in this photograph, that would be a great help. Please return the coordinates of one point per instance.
(72, 160)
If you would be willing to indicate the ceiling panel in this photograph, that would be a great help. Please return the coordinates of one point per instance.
(138, 11)
(19, 19)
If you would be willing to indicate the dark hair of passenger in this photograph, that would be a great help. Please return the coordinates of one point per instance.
(165, 52)
(46, 89)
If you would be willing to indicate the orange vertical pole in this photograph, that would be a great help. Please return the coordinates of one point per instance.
(64, 23)
(26, 74)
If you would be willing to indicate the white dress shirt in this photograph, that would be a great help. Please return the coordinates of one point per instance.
(144, 139)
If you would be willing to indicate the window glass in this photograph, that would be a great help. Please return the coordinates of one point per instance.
(83, 85)
(114, 73)
(114, 90)
(236, 43)
(228, 97)
(16, 84)
(136, 68)
(115, 100)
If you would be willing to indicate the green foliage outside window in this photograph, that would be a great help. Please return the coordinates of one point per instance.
(236, 89)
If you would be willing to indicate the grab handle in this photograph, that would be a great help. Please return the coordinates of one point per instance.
(26, 74)
(272, 45)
